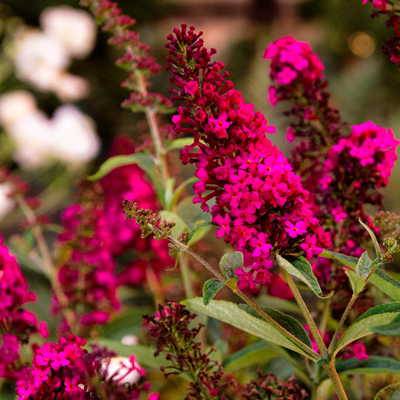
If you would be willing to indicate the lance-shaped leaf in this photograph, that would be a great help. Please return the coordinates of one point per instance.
(301, 269)
(357, 283)
(230, 262)
(342, 258)
(380, 279)
(212, 287)
(144, 161)
(374, 365)
(393, 328)
(373, 237)
(169, 189)
(180, 189)
(391, 392)
(386, 283)
(364, 265)
(199, 231)
(286, 321)
(193, 216)
(231, 313)
(379, 315)
(258, 353)
(178, 144)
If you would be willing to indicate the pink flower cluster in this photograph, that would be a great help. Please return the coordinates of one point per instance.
(371, 146)
(342, 172)
(293, 63)
(67, 371)
(381, 4)
(129, 182)
(260, 204)
(16, 323)
(87, 274)
(391, 10)
(312, 117)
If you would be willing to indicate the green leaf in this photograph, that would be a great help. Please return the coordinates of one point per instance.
(180, 189)
(393, 328)
(198, 232)
(357, 283)
(386, 283)
(391, 392)
(193, 216)
(373, 237)
(301, 269)
(169, 191)
(379, 315)
(143, 354)
(364, 265)
(191, 213)
(286, 321)
(211, 288)
(180, 225)
(144, 161)
(231, 313)
(279, 304)
(374, 365)
(342, 258)
(178, 144)
(230, 262)
(255, 354)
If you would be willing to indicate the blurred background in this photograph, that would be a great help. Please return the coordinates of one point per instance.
(84, 95)
(60, 93)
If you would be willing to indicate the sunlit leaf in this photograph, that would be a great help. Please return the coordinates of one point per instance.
(230, 262)
(379, 315)
(232, 314)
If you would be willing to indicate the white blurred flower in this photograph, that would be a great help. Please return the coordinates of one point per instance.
(130, 340)
(6, 204)
(39, 59)
(120, 366)
(74, 139)
(31, 134)
(69, 136)
(71, 87)
(14, 105)
(74, 29)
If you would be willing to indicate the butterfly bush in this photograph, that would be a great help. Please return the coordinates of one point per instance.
(343, 171)
(87, 268)
(67, 371)
(17, 324)
(260, 204)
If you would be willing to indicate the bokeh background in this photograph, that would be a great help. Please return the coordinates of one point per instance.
(363, 82)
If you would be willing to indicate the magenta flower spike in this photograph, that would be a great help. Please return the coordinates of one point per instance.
(257, 196)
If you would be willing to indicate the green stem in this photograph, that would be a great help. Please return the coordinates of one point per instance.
(183, 265)
(311, 353)
(303, 307)
(154, 131)
(317, 367)
(48, 267)
(334, 377)
(154, 286)
(341, 323)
